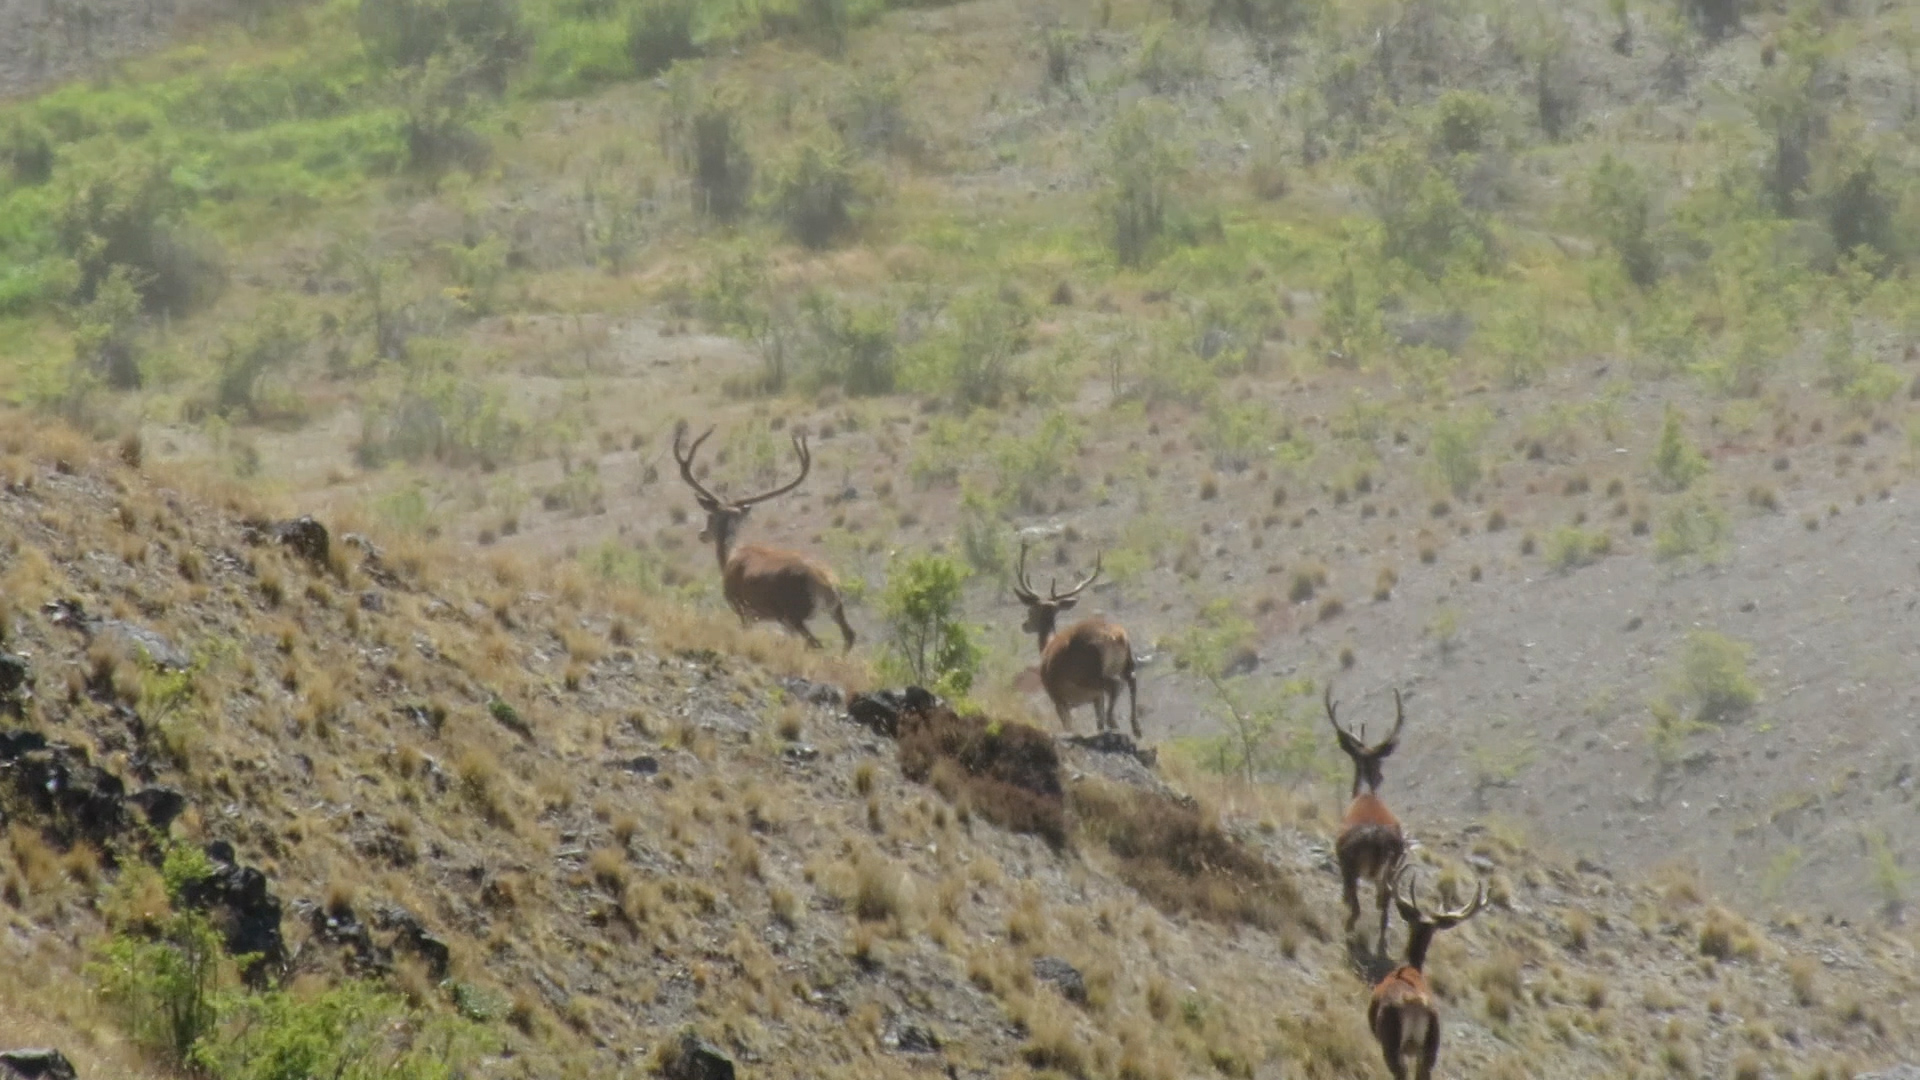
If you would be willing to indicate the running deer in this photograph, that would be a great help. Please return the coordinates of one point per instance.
(1370, 843)
(1086, 665)
(762, 582)
(1402, 1013)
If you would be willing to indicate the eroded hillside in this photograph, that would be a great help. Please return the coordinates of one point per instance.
(621, 817)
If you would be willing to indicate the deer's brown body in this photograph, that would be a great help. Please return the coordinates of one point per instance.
(761, 582)
(1370, 843)
(1088, 664)
(1402, 1014)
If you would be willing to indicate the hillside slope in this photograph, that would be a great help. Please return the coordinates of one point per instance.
(622, 817)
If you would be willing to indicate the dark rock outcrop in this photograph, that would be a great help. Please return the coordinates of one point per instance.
(1062, 976)
(245, 909)
(880, 711)
(693, 1058)
(36, 1065)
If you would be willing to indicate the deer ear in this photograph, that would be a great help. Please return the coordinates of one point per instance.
(1067, 603)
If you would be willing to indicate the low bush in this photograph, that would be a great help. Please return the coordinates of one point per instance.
(1183, 861)
(1006, 773)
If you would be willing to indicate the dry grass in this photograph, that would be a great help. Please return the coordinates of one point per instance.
(1008, 773)
(1184, 862)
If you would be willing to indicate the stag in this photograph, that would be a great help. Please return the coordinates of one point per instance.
(1089, 663)
(1370, 843)
(1402, 1014)
(762, 582)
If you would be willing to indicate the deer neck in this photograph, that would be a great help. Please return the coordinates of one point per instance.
(1418, 938)
(722, 546)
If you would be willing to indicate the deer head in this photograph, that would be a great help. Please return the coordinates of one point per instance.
(1366, 759)
(725, 516)
(1422, 923)
(1042, 614)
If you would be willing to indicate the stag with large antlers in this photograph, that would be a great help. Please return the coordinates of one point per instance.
(1087, 665)
(1402, 1013)
(761, 582)
(1370, 843)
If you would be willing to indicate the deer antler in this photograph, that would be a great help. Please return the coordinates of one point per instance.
(806, 466)
(1393, 737)
(707, 498)
(1348, 743)
(1021, 588)
(1414, 911)
(1077, 589)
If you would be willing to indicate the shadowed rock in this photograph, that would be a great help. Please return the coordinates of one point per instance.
(305, 537)
(693, 1058)
(36, 1065)
(248, 914)
(1062, 976)
(880, 711)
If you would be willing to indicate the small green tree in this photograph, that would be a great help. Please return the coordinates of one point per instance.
(1623, 211)
(928, 642)
(164, 985)
(1709, 677)
(1142, 167)
(105, 333)
(1677, 463)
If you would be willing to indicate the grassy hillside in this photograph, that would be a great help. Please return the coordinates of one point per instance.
(623, 820)
(1554, 363)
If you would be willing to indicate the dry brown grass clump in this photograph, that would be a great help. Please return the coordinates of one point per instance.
(1007, 773)
(1183, 862)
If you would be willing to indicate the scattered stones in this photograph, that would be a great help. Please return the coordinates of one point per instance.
(800, 753)
(813, 693)
(881, 710)
(37, 1065)
(693, 1058)
(1062, 976)
(1898, 1072)
(137, 639)
(1115, 742)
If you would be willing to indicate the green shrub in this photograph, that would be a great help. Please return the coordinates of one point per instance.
(1172, 57)
(1264, 18)
(409, 33)
(1142, 168)
(164, 986)
(105, 333)
(1571, 547)
(976, 359)
(1692, 527)
(660, 32)
(440, 416)
(355, 1031)
(1454, 449)
(268, 343)
(1676, 461)
(722, 166)
(437, 101)
(1028, 466)
(1709, 678)
(852, 348)
(1464, 122)
(128, 216)
(928, 643)
(817, 195)
(1424, 222)
(1622, 209)
(28, 154)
